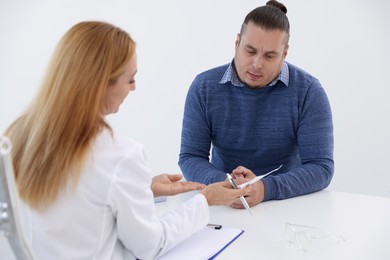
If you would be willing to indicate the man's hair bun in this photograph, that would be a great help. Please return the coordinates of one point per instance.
(277, 5)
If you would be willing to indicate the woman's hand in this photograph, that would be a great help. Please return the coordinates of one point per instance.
(170, 184)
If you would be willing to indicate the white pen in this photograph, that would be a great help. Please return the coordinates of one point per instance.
(242, 199)
(258, 178)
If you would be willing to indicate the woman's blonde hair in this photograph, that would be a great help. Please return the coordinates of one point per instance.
(52, 138)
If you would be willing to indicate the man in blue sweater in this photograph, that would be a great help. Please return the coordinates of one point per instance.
(257, 113)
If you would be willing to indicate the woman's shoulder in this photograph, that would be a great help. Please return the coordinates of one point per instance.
(111, 140)
(111, 147)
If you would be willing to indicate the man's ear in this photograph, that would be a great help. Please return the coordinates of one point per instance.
(285, 51)
(238, 39)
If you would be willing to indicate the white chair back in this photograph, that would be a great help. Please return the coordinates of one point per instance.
(10, 223)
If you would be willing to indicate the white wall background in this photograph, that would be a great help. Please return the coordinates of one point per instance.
(344, 43)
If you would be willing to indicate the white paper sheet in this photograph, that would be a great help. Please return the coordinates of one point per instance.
(205, 244)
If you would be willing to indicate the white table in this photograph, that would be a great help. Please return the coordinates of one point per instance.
(364, 221)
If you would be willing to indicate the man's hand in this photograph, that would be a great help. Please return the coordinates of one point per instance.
(168, 184)
(256, 194)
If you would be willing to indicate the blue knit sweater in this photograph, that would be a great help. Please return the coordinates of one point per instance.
(259, 129)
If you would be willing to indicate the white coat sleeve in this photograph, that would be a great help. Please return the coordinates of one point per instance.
(139, 228)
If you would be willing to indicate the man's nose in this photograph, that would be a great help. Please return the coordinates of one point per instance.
(258, 62)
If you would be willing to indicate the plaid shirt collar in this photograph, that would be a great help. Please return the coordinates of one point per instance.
(231, 75)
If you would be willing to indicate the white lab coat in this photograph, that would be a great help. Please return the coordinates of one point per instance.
(111, 213)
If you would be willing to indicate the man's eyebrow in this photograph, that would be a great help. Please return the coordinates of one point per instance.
(272, 52)
(250, 47)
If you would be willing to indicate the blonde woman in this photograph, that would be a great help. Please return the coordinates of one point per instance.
(88, 190)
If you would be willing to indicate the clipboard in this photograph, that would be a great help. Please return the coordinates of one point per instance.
(207, 243)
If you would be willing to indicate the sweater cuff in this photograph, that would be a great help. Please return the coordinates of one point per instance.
(270, 189)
